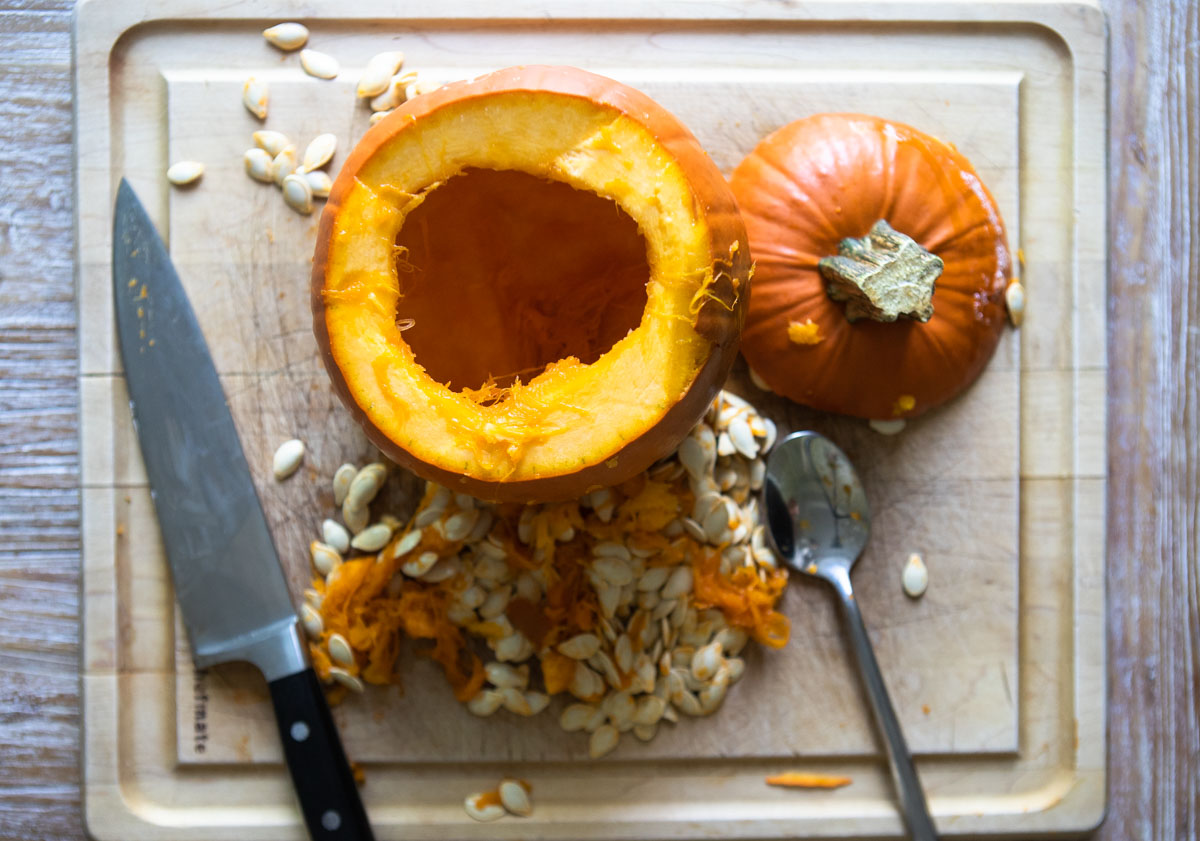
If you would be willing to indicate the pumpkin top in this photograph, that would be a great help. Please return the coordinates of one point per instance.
(806, 191)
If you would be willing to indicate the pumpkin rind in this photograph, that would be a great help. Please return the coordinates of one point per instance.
(822, 179)
(358, 217)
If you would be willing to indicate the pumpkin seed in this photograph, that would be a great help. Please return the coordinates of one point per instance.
(890, 426)
(335, 535)
(287, 36)
(515, 797)
(513, 648)
(603, 741)
(537, 701)
(319, 182)
(645, 732)
(406, 543)
(1014, 300)
(378, 72)
(287, 458)
(623, 653)
(620, 707)
(339, 650)
(576, 716)
(692, 457)
(612, 549)
(670, 714)
(310, 617)
(417, 567)
(706, 661)
(580, 646)
(514, 701)
(504, 676)
(321, 65)
(325, 558)
(732, 640)
(725, 446)
(318, 152)
(742, 437)
(481, 810)
(313, 598)
(283, 165)
(650, 709)
(737, 668)
(496, 602)
(271, 142)
(585, 684)
(297, 194)
(609, 597)
(694, 530)
(255, 95)
(258, 165)
(711, 697)
(346, 679)
(184, 172)
(687, 703)
(769, 438)
(613, 570)
(443, 570)
(485, 702)
(679, 583)
(365, 485)
(758, 381)
(458, 526)
(393, 92)
(915, 577)
(372, 539)
(341, 482)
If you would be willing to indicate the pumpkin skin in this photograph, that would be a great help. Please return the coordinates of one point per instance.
(819, 180)
(595, 415)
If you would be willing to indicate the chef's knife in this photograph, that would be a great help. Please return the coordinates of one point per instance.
(230, 586)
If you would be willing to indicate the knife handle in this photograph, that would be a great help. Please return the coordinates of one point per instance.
(322, 777)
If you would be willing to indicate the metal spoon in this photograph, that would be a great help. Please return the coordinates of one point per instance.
(818, 522)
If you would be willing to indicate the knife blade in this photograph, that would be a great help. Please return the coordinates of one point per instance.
(228, 581)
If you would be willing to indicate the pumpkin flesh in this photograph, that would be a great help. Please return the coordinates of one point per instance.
(561, 341)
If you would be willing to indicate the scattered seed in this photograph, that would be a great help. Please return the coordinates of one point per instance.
(417, 567)
(758, 381)
(339, 650)
(379, 115)
(603, 741)
(356, 519)
(346, 679)
(341, 482)
(514, 701)
(537, 701)
(258, 165)
(319, 182)
(1014, 300)
(407, 543)
(504, 676)
(365, 485)
(482, 808)
(318, 152)
(580, 647)
(679, 583)
(287, 458)
(495, 603)
(915, 577)
(514, 796)
(271, 142)
(287, 36)
(297, 194)
(283, 164)
(890, 426)
(324, 557)
(458, 526)
(576, 716)
(706, 661)
(742, 437)
(378, 72)
(485, 702)
(645, 732)
(184, 172)
(310, 617)
(335, 535)
(321, 65)
(254, 96)
(373, 538)
(613, 570)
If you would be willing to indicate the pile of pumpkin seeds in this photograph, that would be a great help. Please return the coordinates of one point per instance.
(654, 656)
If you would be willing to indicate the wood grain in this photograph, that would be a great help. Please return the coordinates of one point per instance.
(1154, 588)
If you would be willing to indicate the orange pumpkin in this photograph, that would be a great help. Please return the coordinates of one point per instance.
(529, 285)
(806, 192)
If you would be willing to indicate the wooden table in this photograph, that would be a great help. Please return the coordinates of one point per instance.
(1154, 421)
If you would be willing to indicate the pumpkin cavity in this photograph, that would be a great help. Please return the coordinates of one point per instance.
(503, 275)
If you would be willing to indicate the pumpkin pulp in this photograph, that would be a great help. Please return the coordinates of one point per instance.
(557, 288)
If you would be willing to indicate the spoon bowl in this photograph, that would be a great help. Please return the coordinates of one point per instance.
(818, 522)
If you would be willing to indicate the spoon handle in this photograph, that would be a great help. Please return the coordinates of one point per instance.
(916, 810)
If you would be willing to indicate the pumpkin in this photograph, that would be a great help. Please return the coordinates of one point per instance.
(881, 266)
(529, 285)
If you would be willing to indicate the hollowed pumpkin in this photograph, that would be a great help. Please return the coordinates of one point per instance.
(881, 264)
(529, 285)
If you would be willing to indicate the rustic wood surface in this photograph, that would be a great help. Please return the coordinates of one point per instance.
(1154, 585)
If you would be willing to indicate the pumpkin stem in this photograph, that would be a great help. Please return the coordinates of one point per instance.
(883, 276)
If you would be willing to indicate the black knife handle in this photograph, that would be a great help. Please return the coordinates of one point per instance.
(322, 777)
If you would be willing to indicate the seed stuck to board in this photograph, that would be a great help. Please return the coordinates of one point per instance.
(1014, 300)
(318, 152)
(378, 72)
(297, 193)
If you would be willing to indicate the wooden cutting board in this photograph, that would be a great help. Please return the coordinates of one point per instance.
(997, 672)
